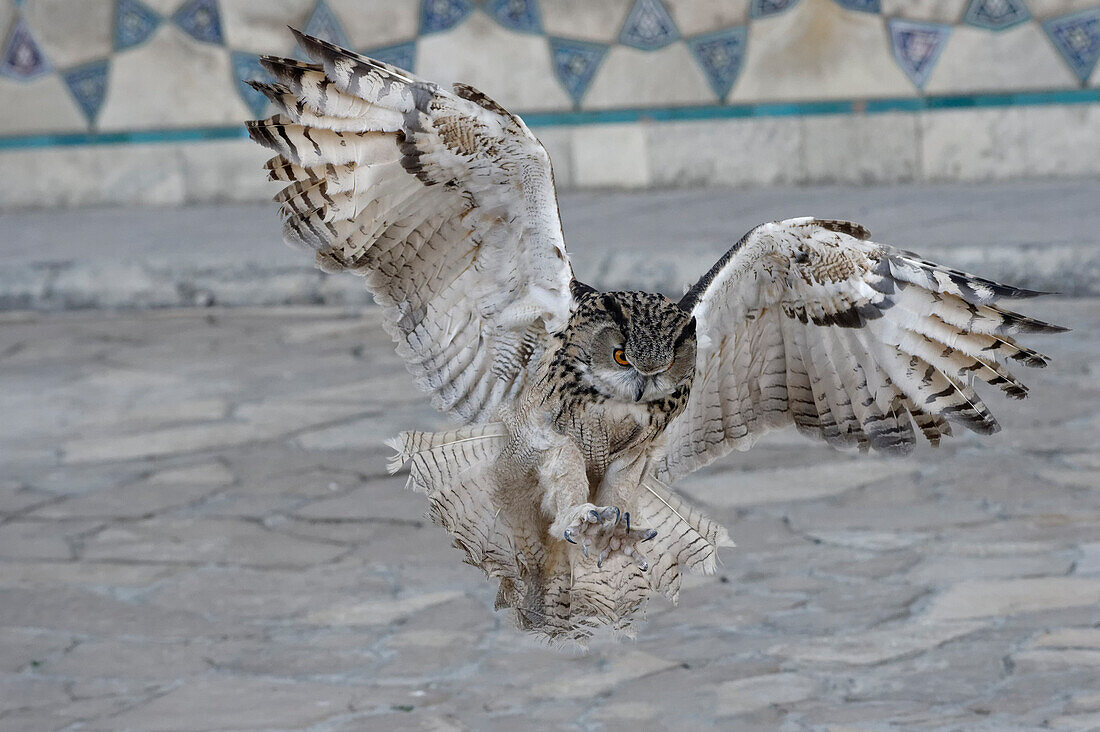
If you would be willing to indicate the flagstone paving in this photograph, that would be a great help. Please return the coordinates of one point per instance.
(197, 532)
(1042, 234)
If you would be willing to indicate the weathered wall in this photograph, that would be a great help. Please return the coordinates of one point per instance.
(142, 100)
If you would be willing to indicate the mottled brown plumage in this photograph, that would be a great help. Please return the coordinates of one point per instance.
(580, 407)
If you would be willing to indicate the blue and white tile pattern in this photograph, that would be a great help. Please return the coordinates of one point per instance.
(996, 14)
(764, 8)
(863, 6)
(134, 23)
(648, 26)
(917, 47)
(22, 58)
(575, 63)
(200, 20)
(721, 55)
(324, 24)
(517, 15)
(1077, 38)
(442, 15)
(88, 85)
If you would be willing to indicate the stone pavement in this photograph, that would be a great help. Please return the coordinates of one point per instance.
(1043, 235)
(198, 533)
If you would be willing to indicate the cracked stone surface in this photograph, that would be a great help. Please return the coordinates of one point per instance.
(197, 532)
(1041, 234)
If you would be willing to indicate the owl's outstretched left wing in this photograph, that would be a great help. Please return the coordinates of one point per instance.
(808, 322)
(442, 200)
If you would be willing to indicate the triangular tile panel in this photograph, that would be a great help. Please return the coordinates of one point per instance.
(88, 85)
(996, 14)
(764, 8)
(720, 54)
(863, 6)
(134, 23)
(402, 55)
(1077, 38)
(441, 15)
(22, 58)
(246, 68)
(200, 20)
(575, 63)
(917, 47)
(648, 26)
(324, 24)
(518, 15)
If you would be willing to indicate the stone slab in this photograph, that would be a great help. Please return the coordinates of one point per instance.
(986, 598)
(760, 692)
(874, 647)
(1040, 235)
(301, 588)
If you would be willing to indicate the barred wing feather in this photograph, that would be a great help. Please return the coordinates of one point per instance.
(443, 201)
(807, 321)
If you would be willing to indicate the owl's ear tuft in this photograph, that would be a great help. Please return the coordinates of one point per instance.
(578, 289)
(688, 331)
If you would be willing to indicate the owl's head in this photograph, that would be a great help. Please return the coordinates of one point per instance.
(638, 347)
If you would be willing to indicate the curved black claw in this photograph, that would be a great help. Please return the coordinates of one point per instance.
(649, 535)
(626, 517)
(569, 536)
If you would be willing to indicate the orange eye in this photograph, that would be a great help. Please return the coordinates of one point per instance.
(620, 357)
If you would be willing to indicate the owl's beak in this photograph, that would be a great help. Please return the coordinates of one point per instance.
(639, 389)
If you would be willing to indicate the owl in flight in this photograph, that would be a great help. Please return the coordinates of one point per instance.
(581, 407)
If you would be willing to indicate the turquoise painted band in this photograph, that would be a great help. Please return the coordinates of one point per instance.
(610, 116)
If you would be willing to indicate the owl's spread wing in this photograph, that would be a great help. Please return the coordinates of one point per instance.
(443, 201)
(807, 321)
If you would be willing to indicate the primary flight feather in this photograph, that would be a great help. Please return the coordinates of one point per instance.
(580, 407)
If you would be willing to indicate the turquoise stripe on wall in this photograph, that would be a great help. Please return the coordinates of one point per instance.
(591, 117)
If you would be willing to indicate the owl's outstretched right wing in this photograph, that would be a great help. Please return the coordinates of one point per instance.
(443, 201)
(807, 321)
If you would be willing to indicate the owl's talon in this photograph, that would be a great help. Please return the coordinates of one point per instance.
(607, 551)
(603, 531)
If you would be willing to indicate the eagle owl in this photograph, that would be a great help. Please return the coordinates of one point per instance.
(581, 407)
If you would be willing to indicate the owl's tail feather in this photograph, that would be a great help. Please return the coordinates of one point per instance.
(499, 527)
(686, 537)
(556, 593)
(468, 496)
(455, 450)
(455, 470)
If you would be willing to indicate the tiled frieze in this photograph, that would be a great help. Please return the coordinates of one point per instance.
(720, 54)
(1077, 38)
(996, 14)
(110, 61)
(917, 47)
(22, 59)
(134, 23)
(648, 26)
